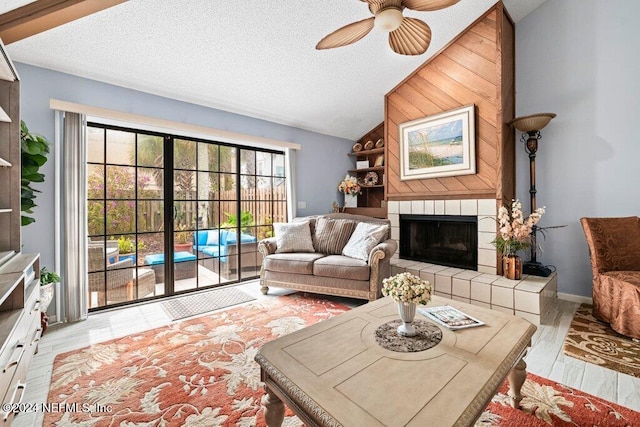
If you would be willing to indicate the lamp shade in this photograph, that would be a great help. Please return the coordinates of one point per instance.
(532, 123)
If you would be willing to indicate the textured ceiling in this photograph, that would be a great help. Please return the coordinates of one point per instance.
(253, 57)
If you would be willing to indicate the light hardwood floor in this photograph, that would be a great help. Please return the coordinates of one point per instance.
(545, 358)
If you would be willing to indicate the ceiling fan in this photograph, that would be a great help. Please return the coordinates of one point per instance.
(407, 36)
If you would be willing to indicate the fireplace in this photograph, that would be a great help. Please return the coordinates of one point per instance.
(450, 240)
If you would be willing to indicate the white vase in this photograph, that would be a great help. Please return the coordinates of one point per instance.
(407, 311)
(350, 201)
(46, 295)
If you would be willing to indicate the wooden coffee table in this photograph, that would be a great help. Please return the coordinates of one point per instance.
(335, 373)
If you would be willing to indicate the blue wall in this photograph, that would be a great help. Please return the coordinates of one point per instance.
(320, 164)
(579, 59)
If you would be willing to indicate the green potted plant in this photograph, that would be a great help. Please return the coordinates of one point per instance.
(47, 280)
(183, 239)
(35, 149)
(127, 248)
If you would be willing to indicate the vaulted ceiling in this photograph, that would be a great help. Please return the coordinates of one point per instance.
(253, 57)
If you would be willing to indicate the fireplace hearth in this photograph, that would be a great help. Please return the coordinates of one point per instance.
(450, 240)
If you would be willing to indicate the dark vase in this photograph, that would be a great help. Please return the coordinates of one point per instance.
(512, 267)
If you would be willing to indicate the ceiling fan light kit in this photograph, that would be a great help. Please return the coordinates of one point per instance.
(407, 36)
(388, 20)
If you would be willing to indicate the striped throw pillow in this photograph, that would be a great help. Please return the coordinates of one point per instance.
(331, 235)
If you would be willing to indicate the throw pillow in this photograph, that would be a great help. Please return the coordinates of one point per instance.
(332, 235)
(293, 237)
(213, 238)
(363, 239)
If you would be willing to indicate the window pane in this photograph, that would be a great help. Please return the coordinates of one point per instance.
(184, 154)
(207, 185)
(207, 156)
(150, 150)
(95, 145)
(95, 181)
(120, 182)
(227, 186)
(227, 159)
(121, 216)
(263, 163)
(184, 185)
(150, 216)
(185, 215)
(278, 165)
(150, 183)
(120, 147)
(95, 217)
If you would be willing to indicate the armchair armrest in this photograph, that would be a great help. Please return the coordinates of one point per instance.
(267, 246)
(380, 264)
(382, 250)
(125, 263)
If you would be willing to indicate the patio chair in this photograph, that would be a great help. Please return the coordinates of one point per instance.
(120, 277)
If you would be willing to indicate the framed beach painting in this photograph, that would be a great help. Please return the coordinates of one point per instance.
(439, 145)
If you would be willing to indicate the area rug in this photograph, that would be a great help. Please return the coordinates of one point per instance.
(595, 342)
(198, 372)
(201, 372)
(547, 403)
(203, 302)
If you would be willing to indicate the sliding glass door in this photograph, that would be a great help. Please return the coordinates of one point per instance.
(201, 205)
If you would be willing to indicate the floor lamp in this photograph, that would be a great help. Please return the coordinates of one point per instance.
(531, 126)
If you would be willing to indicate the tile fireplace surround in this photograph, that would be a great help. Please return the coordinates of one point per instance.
(529, 298)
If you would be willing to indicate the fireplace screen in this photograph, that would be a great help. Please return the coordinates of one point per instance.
(444, 240)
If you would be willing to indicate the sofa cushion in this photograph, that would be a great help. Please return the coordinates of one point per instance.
(213, 238)
(293, 237)
(341, 267)
(363, 239)
(332, 235)
(297, 263)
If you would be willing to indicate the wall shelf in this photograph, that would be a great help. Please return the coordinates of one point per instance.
(4, 163)
(367, 152)
(371, 201)
(6, 210)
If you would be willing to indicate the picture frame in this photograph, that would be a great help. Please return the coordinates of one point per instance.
(379, 161)
(439, 145)
(362, 164)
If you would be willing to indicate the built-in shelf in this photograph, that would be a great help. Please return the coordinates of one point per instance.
(366, 187)
(4, 117)
(4, 163)
(376, 168)
(367, 152)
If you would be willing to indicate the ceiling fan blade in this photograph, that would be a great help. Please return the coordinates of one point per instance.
(346, 35)
(411, 38)
(376, 5)
(428, 5)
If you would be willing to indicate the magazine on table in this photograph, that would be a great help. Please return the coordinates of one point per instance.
(450, 317)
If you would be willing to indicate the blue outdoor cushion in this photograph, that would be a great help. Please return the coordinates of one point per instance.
(154, 259)
(200, 237)
(244, 238)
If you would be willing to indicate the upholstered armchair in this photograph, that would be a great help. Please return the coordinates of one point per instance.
(614, 248)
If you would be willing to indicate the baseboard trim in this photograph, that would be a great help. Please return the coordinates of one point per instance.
(575, 298)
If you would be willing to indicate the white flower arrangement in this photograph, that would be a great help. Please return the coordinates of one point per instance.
(407, 288)
(349, 185)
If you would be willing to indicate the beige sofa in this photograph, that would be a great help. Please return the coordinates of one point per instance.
(328, 274)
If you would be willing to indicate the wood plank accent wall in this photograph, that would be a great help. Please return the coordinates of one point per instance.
(478, 67)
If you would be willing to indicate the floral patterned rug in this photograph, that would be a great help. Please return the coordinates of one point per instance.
(595, 342)
(201, 372)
